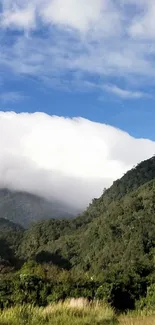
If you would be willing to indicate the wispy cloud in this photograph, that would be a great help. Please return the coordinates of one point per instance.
(11, 97)
(124, 94)
(143, 26)
(18, 18)
(102, 38)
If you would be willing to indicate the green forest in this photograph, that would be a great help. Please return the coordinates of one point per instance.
(107, 253)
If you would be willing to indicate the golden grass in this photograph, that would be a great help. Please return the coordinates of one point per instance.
(141, 317)
(71, 312)
(139, 320)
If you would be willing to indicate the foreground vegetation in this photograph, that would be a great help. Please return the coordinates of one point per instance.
(107, 253)
(73, 312)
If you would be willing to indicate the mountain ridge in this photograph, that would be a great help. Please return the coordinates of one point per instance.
(113, 241)
(25, 208)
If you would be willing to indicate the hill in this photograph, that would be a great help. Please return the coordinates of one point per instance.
(132, 180)
(113, 241)
(25, 208)
(92, 244)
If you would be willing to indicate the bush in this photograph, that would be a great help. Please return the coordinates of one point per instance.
(147, 302)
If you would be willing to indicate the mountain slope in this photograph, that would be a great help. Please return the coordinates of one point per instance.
(25, 208)
(124, 198)
(132, 180)
(113, 240)
(89, 244)
(117, 248)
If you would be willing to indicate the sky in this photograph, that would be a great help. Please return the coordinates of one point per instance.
(77, 80)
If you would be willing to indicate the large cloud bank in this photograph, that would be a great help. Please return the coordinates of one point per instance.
(71, 160)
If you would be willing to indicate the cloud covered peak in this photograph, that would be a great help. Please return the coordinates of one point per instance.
(71, 160)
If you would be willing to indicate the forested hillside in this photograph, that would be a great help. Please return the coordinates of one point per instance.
(10, 238)
(110, 248)
(25, 208)
(132, 180)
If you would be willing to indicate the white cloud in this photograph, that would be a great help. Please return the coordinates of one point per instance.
(77, 14)
(68, 159)
(143, 24)
(105, 38)
(19, 18)
(125, 94)
(11, 97)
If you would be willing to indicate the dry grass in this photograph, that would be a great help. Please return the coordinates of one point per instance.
(71, 312)
(139, 320)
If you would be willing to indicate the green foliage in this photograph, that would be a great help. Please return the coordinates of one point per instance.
(6, 289)
(32, 268)
(106, 253)
(147, 302)
(30, 289)
(104, 292)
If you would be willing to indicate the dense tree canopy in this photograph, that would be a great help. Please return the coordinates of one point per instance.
(108, 251)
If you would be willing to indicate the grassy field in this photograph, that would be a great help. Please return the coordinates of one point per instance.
(137, 320)
(73, 312)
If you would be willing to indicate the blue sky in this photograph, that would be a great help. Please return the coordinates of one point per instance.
(136, 117)
(93, 59)
(89, 66)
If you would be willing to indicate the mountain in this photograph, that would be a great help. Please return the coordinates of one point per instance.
(90, 245)
(132, 180)
(113, 240)
(131, 197)
(25, 208)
